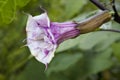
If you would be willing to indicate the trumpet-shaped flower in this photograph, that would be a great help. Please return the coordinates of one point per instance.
(43, 36)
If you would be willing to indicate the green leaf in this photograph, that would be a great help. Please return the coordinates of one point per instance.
(116, 50)
(91, 39)
(2, 77)
(73, 7)
(92, 63)
(63, 61)
(33, 71)
(64, 9)
(98, 61)
(110, 39)
(83, 65)
(22, 3)
(58, 76)
(69, 44)
(7, 11)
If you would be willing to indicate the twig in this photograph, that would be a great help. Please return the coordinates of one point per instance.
(98, 4)
(111, 30)
(116, 15)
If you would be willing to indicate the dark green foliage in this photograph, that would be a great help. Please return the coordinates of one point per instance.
(81, 58)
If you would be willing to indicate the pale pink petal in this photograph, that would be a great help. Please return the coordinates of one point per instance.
(42, 20)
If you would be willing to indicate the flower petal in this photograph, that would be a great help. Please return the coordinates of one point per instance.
(40, 38)
(42, 20)
(31, 24)
(46, 58)
(61, 28)
(63, 31)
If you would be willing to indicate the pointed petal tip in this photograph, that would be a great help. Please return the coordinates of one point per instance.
(25, 13)
(46, 66)
(24, 40)
(24, 46)
(42, 9)
(42, 19)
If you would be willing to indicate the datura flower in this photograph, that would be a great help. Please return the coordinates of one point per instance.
(44, 36)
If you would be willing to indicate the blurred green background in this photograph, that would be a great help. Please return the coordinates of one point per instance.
(91, 56)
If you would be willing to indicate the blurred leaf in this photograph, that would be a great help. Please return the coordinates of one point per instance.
(99, 61)
(63, 61)
(21, 3)
(89, 63)
(91, 39)
(116, 50)
(73, 7)
(93, 51)
(2, 77)
(111, 37)
(55, 10)
(115, 25)
(17, 60)
(84, 16)
(33, 71)
(69, 44)
(92, 63)
(65, 10)
(57, 76)
(7, 11)
(12, 57)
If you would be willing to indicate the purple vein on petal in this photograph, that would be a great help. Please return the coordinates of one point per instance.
(46, 52)
(68, 35)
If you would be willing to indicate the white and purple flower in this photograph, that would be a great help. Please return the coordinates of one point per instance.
(43, 36)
